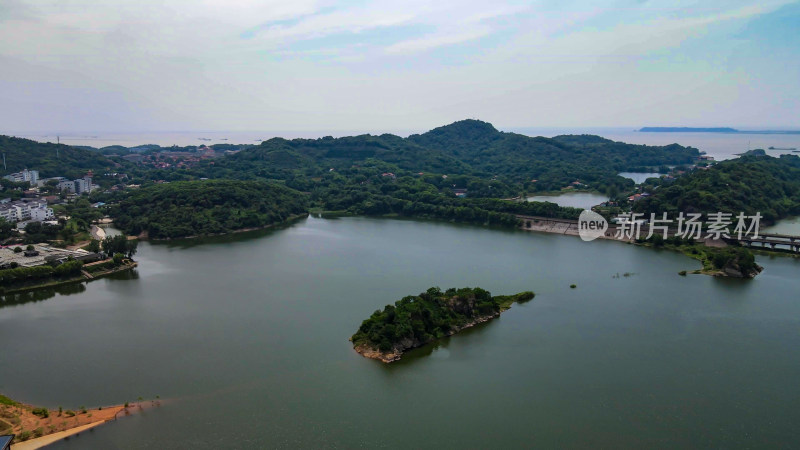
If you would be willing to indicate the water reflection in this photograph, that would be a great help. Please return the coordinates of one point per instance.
(39, 295)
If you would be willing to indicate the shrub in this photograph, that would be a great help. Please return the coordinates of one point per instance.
(118, 257)
(41, 412)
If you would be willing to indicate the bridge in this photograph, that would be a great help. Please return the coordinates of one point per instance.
(569, 226)
(773, 240)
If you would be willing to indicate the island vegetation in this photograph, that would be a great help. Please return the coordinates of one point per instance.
(417, 320)
(730, 261)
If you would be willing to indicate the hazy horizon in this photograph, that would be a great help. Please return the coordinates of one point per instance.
(311, 65)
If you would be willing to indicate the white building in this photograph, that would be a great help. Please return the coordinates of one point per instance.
(30, 176)
(34, 209)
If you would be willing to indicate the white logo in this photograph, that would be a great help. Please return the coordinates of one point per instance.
(591, 225)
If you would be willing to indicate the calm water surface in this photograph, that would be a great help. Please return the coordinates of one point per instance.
(246, 340)
(583, 200)
(789, 226)
(639, 177)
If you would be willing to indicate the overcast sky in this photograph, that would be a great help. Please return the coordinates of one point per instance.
(141, 65)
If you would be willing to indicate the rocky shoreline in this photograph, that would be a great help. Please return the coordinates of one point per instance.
(407, 344)
(429, 314)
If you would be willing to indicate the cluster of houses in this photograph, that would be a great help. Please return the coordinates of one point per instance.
(80, 186)
(181, 159)
(24, 211)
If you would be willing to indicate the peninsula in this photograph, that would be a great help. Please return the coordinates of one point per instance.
(418, 320)
(35, 427)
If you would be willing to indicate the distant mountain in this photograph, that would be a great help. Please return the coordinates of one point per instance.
(713, 130)
(50, 159)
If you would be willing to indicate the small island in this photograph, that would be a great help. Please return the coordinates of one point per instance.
(418, 320)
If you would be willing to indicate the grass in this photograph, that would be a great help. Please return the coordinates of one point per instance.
(505, 301)
(7, 401)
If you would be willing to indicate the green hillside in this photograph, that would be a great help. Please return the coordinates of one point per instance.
(196, 208)
(748, 184)
(50, 160)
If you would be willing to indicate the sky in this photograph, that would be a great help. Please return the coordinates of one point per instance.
(378, 66)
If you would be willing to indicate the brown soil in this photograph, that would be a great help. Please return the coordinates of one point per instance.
(20, 418)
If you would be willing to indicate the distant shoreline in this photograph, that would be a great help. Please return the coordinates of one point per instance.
(724, 130)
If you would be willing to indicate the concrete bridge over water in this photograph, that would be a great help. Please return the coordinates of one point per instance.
(771, 241)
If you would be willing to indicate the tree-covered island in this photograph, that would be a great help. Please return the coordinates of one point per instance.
(417, 320)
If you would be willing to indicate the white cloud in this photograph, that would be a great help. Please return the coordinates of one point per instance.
(325, 65)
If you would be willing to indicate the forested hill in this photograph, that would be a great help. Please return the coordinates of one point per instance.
(551, 160)
(51, 160)
(278, 157)
(197, 208)
(749, 184)
(467, 147)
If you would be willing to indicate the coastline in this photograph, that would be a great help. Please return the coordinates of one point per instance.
(46, 440)
(570, 228)
(396, 353)
(35, 427)
(145, 236)
(84, 277)
(504, 303)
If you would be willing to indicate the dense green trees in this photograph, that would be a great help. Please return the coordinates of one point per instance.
(182, 209)
(68, 268)
(430, 315)
(119, 244)
(749, 184)
(468, 148)
(51, 160)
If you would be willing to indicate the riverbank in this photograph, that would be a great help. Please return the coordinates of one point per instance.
(144, 235)
(36, 427)
(706, 251)
(88, 273)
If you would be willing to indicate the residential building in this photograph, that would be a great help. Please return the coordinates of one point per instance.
(80, 186)
(67, 186)
(35, 210)
(30, 176)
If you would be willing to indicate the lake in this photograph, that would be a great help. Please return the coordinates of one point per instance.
(584, 200)
(245, 339)
(639, 177)
(789, 226)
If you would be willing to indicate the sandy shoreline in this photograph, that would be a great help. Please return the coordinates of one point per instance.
(34, 429)
(43, 441)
